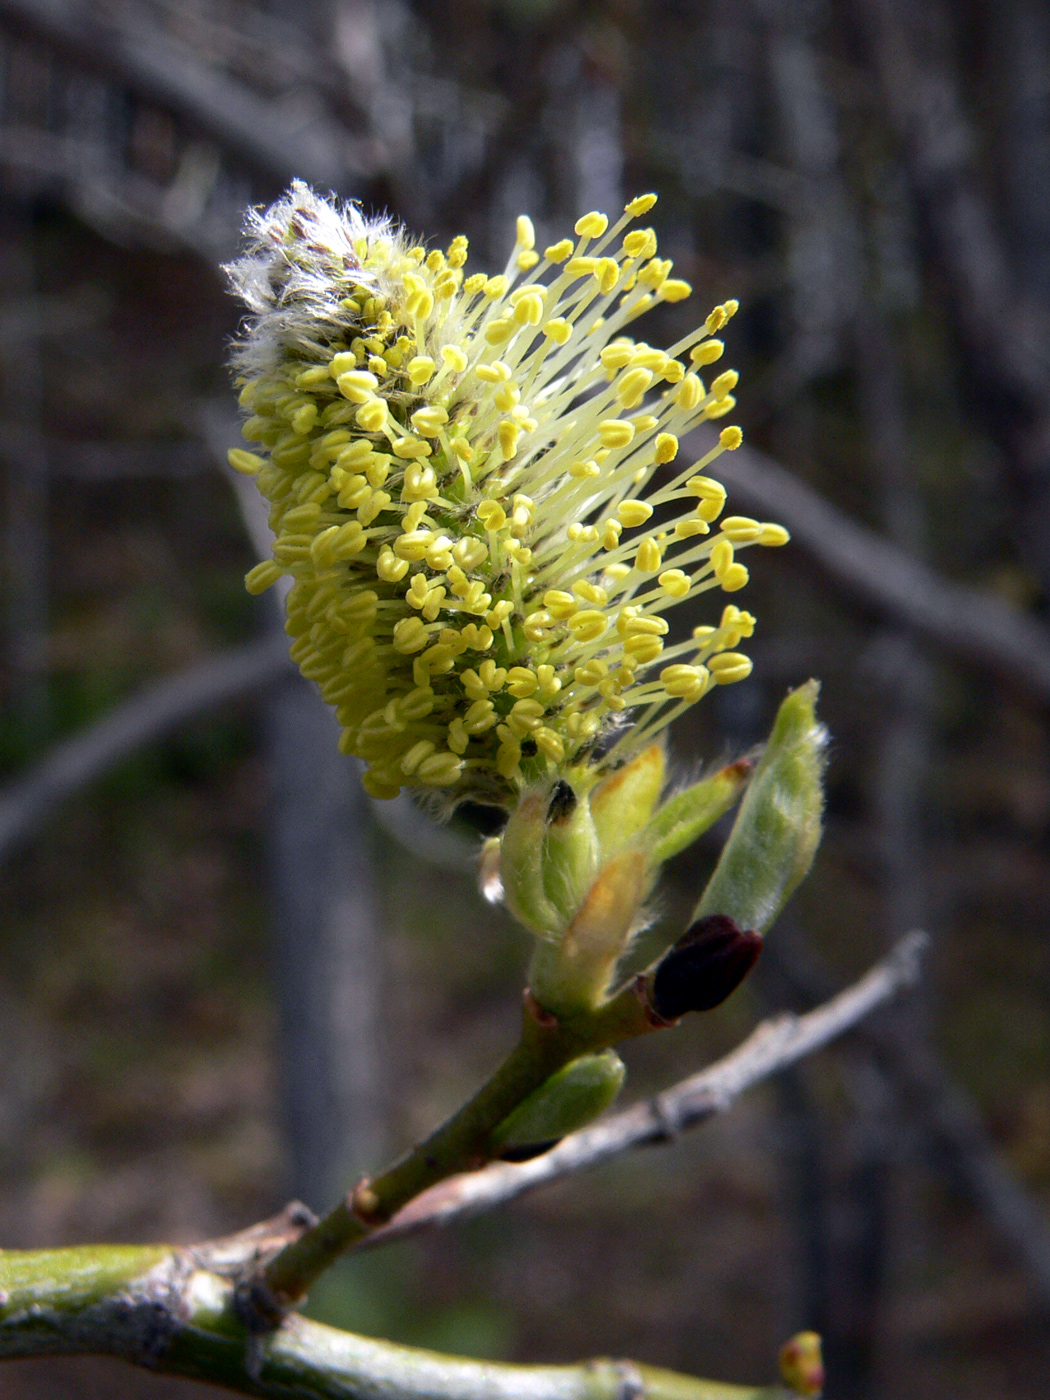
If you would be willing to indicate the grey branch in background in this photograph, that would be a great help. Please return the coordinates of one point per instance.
(967, 622)
(149, 64)
(148, 716)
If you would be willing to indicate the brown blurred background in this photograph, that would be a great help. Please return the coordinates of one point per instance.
(225, 977)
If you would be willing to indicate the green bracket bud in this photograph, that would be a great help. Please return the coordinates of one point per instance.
(687, 815)
(571, 974)
(569, 1099)
(777, 830)
(548, 858)
(623, 803)
(521, 866)
(570, 851)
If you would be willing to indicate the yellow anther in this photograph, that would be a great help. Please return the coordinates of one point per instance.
(357, 385)
(689, 529)
(341, 363)
(247, 463)
(641, 650)
(522, 682)
(675, 289)
(630, 390)
(498, 332)
(481, 716)
(527, 259)
(420, 304)
(674, 372)
(559, 604)
(689, 393)
(716, 320)
(377, 365)
(410, 448)
(409, 635)
(506, 397)
(548, 742)
(631, 514)
(588, 624)
(462, 449)
(495, 287)
(611, 531)
(497, 615)
(475, 284)
(674, 583)
(725, 383)
(492, 515)
(608, 274)
(558, 252)
(729, 666)
(389, 567)
(720, 408)
(721, 555)
(262, 577)
(640, 243)
(730, 439)
(420, 368)
(508, 434)
(529, 309)
(590, 593)
(665, 448)
(617, 355)
(773, 535)
(411, 761)
(582, 534)
(549, 682)
(454, 358)
(581, 267)
(684, 682)
(641, 204)
(469, 552)
(373, 415)
(583, 470)
(559, 330)
(615, 432)
(734, 578)
(440, 770)
(649, 558)
(430, 420)
(591, 225)
(707, 352)
(413, 546)
(591, 672)
(493, 677)
(373, 507)
(477, 638)
(741, 529)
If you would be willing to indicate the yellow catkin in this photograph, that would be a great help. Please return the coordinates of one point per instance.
(465, 586)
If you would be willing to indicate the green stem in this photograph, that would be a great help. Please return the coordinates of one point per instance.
(156, 1307)
(462, 1143)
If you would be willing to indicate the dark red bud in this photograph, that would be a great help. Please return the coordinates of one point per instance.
(707, 963)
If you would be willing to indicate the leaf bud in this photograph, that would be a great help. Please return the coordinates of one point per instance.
(569, 1099)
